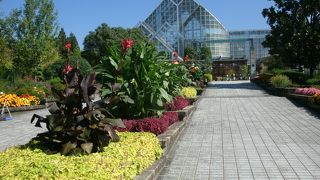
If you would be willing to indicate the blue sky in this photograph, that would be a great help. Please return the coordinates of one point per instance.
(83, 16)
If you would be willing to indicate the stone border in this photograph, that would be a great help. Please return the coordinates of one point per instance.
(26, 108)
(166, 141)
(281, 92)
(304, 100)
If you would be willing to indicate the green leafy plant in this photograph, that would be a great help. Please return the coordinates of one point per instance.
(122, 160)
(280, 81)
(146, 79)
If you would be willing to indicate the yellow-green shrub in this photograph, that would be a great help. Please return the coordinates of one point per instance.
(280, 81)
(122, 160)
(189, 92)
(208, 77)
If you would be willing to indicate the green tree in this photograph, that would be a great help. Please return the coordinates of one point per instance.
(97, 43)
(75, 49)
(205, 54)
(6, 63)
(30, 32)
(295, 32)
(191, 52)
(61, 42)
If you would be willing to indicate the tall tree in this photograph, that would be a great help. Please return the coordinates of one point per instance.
(205, 54)
(295, 32)
(98, 42)
(5, 56)
(75, 49)
(61, 42)
(32, 30)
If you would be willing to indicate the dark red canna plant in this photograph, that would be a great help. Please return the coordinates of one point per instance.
(77, 124)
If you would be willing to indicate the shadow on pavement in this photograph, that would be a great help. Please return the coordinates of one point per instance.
(233, 85)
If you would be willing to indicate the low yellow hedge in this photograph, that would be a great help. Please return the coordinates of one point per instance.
(189, 92)
(122, 160)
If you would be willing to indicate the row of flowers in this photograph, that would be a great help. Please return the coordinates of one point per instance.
(314, 92)
(13, 100)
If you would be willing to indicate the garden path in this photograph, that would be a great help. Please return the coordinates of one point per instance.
(240, 132)
(19, 130)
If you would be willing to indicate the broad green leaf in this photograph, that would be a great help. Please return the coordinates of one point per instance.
(151, 98)
(164, 94)
(165, 84)
(114, 64)
(127, 99)
(159, 102)
(106, 92)
(107, 75)
(142, 53)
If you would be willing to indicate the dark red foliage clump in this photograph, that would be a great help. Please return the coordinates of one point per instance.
(177, 104)
(153, 125)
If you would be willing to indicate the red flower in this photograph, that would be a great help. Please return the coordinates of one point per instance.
(67, 69)
(175, 54)
(68, 45)
(126, 44)
(186, 58)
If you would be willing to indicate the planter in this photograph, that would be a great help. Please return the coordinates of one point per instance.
(305, 101)
(26, 108)
(282, 92)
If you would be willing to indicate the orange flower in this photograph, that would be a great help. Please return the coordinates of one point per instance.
(175, 62)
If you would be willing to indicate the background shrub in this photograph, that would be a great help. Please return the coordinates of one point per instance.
(280, 81)
(296, 77)
(122, 160)
(208, 77)
(314, 81)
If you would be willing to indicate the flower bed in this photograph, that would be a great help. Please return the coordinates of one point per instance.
(13, 100)
(178, 104)
(307, 91)
(122, 160)
(316, 99)
(154, 125)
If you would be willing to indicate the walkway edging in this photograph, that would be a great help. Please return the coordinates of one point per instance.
(166, 141)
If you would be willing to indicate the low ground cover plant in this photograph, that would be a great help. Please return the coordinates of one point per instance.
(178, 104)
(121, 160)
(154, 125)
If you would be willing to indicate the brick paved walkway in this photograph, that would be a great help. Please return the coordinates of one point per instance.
(19, 130)
(239, 132)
